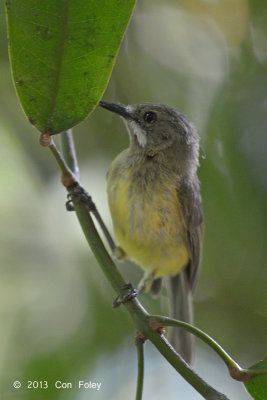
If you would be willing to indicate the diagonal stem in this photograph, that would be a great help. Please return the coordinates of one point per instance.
(236, 372)
(66, 171)
(166, 321)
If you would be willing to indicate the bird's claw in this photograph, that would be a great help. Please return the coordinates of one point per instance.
(78, 194)
(132, 293)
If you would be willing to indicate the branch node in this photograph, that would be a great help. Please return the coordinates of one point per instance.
(45, 139)
(240, 375)
(156, 326)
(139, 337)
(68, 180)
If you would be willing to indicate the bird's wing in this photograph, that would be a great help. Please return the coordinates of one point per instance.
(191, 209)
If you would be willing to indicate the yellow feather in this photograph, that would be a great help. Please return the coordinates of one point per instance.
(147, 219)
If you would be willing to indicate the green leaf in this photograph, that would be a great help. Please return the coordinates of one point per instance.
(62, 53)
(257, 386)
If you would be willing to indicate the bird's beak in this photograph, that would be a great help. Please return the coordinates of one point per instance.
(117, 109)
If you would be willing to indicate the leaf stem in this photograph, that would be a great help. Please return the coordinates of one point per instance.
(166, 321)
(236, 372)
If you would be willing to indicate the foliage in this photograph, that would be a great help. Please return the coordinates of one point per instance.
(257, 386)
(62, 53)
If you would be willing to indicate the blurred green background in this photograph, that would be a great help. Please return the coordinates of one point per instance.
(208, 59)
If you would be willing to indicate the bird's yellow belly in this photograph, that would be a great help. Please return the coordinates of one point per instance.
(148, 224)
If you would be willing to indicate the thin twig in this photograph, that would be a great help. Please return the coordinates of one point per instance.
(174, 359)
(165, 321)
(70, 174)
(66, 171)
(236, 372)
(139, 342)
(69, 152)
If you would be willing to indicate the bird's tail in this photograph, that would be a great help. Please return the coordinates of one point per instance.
(182, 309)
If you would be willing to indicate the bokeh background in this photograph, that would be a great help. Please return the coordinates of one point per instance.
(207, 58)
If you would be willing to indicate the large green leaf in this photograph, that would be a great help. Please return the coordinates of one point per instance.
(62, 53)
(257, 386)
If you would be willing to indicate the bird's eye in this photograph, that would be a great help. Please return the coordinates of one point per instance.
(150, 117)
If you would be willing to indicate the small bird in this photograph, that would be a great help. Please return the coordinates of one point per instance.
(155, 204)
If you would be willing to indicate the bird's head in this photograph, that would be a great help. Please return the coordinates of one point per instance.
(157, 128)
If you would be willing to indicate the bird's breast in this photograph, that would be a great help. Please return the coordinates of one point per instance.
(147, 219)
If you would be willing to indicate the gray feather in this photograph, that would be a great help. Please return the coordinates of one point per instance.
(156, 287)
(181, 309)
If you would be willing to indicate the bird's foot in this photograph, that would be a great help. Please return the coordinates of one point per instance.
(78, 194)
(119, 253)
(132, 293)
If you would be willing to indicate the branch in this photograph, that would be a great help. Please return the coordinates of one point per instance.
(141, 318)
(69, 153)
(236, 372)
(70, 174)
(168, 352)
(139, 342)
